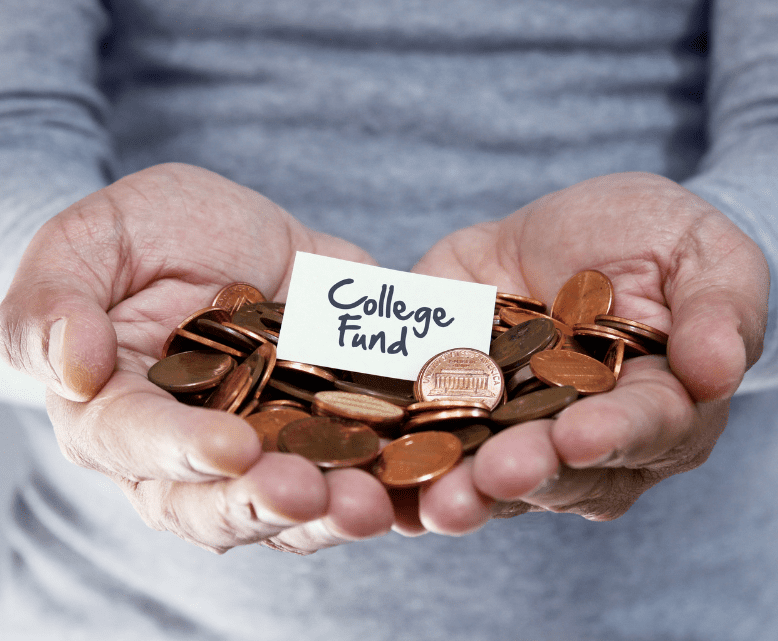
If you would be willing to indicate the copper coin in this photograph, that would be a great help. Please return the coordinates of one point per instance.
(358, 407)
(195, 398)
(511, 316)
(212, 313)
(267, 425)
(461, 374)
(268, 353)
(519, 378)
(204, 341)
(188, 372)
(425, 419)
(257, 338)
(583, 297)
(247, 402)
(532, 385)
(393, 386)
(522, 302)
(330, 442)
(417, 458)
(315, 371)
(614, 358)
(234, 296)
(280, 404)
(472, 436)
(654, 339)
(514, 348)
(292, 390)
(225, 335)
(251, 319)
(253, 326)
(540, 404)
(596, 339)
(561, 367)
(444, 404)
(234, 387)
(357, 388)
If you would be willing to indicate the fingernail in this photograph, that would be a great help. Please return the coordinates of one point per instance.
(546, 484)
(207, 469)
(56, 349)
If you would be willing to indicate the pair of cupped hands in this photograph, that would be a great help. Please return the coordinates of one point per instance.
(103, 283)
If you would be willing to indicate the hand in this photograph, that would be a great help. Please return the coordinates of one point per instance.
(99, 290)
(677, 264)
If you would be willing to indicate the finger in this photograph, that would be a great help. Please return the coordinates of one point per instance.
(279, 492)
(514, 462)
(452, 505)
(134, 430)
(57, 332)
(648, 419)
(716, 336)
(717, 288)
(359, 508)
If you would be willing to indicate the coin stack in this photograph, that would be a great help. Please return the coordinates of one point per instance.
(406, 433)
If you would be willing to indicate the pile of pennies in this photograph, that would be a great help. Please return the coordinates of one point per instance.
(405, 433)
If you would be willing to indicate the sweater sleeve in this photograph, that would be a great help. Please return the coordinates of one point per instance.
(53, 145)
(739, 173)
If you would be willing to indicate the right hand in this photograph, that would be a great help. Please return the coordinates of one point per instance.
(97, 293)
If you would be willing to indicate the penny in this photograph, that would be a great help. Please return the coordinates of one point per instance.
(393, 386)
(444, 404)
(234, 387)
(359, 407)
(424, 419)
(268, 352)
(234, 296)
(314, 371)
(654, 339)
(514, 348)
(225, 335)
(583, 297)
(213, 313)
(417, 458)
(540, 404)
(532, 385)
(280, 404)
(256, 363)
(519, 378)
(562, 367)
(291, 390)
(257, 338)
(203, 341)
(251, 319)
(461, 374)
(267, 425)
(522, 302)
(330, 442)
(614, 358)
(472, 436)
(511, 316)
(188, 372)
(350, 386)
(596, 339)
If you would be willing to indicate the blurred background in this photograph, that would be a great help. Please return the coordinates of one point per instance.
(14, 388)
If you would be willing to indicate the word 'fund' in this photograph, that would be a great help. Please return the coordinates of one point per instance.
(384, 307)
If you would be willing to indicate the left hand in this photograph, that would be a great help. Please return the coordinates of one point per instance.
(677, 264)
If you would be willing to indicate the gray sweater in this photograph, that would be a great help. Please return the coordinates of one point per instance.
(392, 123)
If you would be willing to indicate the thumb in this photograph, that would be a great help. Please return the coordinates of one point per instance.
(718, 330)
(58, 334)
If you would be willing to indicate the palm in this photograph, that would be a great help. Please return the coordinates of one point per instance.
(131, 262)
(676, 264)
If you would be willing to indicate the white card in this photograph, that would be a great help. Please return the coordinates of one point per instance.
(380, 321)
